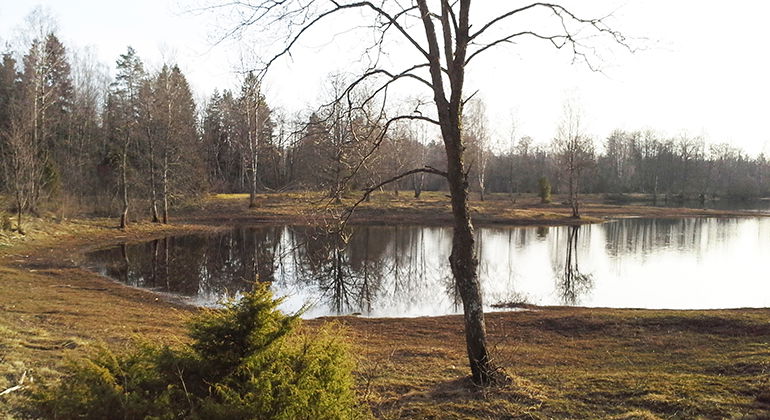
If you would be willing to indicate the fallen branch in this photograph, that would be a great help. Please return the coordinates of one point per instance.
(16, 387)
(11, 389)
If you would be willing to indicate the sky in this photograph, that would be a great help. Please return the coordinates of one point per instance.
(702, 68)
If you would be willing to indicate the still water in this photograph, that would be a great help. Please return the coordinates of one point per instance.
(403, 270)
(751, 206)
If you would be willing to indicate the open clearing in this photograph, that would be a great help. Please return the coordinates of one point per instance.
(565, 362)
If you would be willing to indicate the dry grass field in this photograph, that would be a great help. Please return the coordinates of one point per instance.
(563, 362)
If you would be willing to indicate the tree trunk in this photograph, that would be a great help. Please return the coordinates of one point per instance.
(511, 181)
(574, 194)
(36, 140)
(417, 181)
(462, 259)
(572, 190)
(465, 269)
(165, 188)
(153, 191)
(254, 149)
(19, 210)
(253, 190)
(576, 201)
(481, 184)
(124, 184)
(154, 271)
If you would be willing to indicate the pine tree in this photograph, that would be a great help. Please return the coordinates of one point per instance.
(124, 117)
(9, 87)
(57, 87)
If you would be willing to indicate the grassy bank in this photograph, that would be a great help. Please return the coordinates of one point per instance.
(565, 362)
(573, 363)
(431, 208)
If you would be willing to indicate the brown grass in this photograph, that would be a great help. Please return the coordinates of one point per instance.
(572, 363)
(431, 208)
(564, 362)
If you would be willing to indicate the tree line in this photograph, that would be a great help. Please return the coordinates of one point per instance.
(75, 140)
(145, 146)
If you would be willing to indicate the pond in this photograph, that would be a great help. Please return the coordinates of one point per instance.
(393, 271)
(749, 205)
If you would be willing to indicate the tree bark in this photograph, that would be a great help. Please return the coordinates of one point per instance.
(253, 189)
(573, 190)
(153, 191)
(417, 181)
(254, 151)
(19, 211)
(462, 259)
(124, 185)
(464, 266)
(165, 188)
(481, 184)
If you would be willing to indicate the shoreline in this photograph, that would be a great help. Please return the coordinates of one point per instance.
(565, 361)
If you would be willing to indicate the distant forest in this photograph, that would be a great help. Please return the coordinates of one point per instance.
(74, 139)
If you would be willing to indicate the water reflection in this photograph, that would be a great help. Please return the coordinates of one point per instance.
(571, 283)
(403, 270)
(749, 205)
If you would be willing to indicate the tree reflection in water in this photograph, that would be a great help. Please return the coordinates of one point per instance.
(402, 270)
(571, 284)
(368, 270)
(324, 262)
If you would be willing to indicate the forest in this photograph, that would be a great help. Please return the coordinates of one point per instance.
(167, 252)
(80, 137)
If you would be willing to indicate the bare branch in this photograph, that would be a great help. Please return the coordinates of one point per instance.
(567, 37)
(378, 142)
(447, 32)
(307, 23)
(426, 169)
(502, 17)
(558, 41)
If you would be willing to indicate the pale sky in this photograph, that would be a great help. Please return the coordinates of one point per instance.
(704, 71)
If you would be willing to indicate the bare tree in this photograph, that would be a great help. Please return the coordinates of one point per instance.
(574, 150)
(340, 140)
(344, 133)
(90, 82)
(512, 187)
(34, 116)
(258, 130)
(689, 149)
(477, 137)
(19, 157)
(418, 148)
(441, 45)
(395, 150)
(172, 131)
(46, 92)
